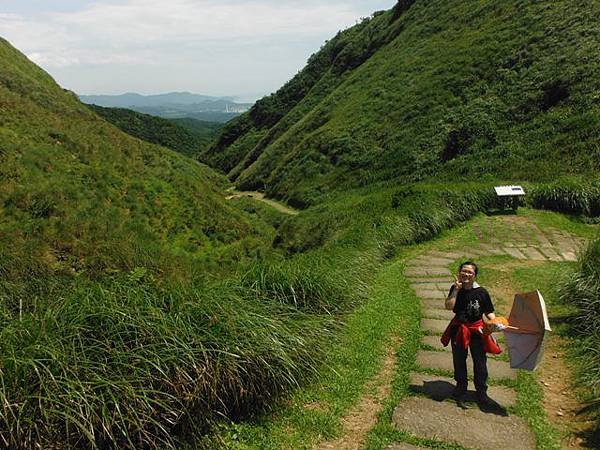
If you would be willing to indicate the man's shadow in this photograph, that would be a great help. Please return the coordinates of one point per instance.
(440, 390)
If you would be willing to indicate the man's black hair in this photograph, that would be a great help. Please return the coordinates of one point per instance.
(468, 263)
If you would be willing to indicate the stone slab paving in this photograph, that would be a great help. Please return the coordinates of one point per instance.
(444, 287)
(551, 253)
(431, 279)
(427, 285)
(434, 342)
(430, 293)
(430, 303)
(448, 280)
(470, 428)
(492, 249)
(449, 255)
(497, 370)
(437, 271)
(474, 251)
(436, 326)
(541, 237)
(566, 248)
(422, 272)
(437, 314)
(514, 252)
(414, 271)
(433, 260)
(533, 254)
(440, 388)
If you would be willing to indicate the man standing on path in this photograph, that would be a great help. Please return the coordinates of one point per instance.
(473, 308)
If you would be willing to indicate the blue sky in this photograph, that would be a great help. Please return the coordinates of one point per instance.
(245, 48)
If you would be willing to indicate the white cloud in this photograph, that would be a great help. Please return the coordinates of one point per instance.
(111, 33)
(144, 33)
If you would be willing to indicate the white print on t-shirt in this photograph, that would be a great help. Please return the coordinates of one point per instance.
(473, 308)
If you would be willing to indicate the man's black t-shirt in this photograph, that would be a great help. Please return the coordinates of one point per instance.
(471, 304)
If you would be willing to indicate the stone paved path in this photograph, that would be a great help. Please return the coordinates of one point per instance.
(430, 413)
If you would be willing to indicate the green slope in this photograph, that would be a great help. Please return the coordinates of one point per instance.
(466, 89)
(188, 140)
(78, 194)
(137, 306)
(199, 127)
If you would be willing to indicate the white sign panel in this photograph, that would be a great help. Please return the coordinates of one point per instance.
(503, 191)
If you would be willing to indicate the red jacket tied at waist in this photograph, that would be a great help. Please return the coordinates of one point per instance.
(463, 335)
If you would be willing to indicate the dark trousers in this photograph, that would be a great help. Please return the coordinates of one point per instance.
(459, 357)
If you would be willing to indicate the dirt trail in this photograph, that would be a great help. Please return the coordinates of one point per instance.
(261, 197)
(363, 416)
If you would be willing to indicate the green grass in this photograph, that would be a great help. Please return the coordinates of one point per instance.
(186, 136)
(132, 362)
(313, 412)
(142, 305)
(571, 195)
(581, 292)
(81, 197)
(137, 306)
(450, 90)
(383, 216)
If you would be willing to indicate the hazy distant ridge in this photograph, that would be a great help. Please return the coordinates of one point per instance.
(173, 105)
(133, 99)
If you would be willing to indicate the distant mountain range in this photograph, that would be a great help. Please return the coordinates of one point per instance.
(173, 105)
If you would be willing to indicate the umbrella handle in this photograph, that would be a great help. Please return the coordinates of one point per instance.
(516, 330)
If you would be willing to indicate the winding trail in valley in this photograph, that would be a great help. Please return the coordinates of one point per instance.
(261, 197)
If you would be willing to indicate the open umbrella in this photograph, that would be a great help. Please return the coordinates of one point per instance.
(528, 327)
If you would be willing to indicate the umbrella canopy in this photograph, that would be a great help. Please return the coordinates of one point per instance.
(526, 340)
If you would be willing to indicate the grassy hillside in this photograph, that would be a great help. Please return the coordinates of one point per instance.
(196, 126)
(136, 304)
(76, 188)
(188, 140)
(467, 89)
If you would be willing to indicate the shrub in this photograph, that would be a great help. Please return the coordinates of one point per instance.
(128, 364)
(309, 284)
(570, 195)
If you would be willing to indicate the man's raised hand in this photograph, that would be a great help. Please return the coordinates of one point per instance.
(457, 283)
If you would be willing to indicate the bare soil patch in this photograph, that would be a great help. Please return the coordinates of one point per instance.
(560, 401)
(362, 417)
(261, 197)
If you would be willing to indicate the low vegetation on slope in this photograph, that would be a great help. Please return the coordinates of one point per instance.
(189, 140)
(462, 89)
(136, 305)
(133, 310)
(583, 291)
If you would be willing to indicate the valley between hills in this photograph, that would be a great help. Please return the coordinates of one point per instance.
(278, 280)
